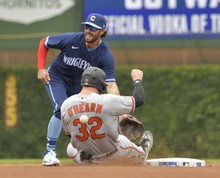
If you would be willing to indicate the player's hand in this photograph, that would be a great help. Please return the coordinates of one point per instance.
(43, 75)
(136, 74)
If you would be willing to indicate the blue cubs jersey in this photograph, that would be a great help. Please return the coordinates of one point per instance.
(75, 57)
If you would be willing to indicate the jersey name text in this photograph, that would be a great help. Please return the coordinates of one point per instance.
(78, 62)
(85, 107)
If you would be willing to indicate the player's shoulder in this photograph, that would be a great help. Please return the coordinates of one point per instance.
(105, 51)
(113, 96)
(108, 99)
(79, 34)
(70, 35)
(106, 48)
(108, 96)
(74, 35)
(68, 100)
(104, 45)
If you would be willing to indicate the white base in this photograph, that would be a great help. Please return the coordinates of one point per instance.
(175, 162)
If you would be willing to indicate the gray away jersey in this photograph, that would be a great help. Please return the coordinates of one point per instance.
(99, 135)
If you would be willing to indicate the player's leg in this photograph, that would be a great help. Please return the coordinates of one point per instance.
(128, 151)
(57, 94)
(73, 153)
(53, 131)
(146, 142)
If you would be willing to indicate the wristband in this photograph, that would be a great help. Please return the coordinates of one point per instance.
(137, 81)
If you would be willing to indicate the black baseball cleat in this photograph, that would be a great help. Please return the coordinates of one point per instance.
(146, 141)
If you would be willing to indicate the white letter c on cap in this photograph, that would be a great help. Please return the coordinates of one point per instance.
(92, 18)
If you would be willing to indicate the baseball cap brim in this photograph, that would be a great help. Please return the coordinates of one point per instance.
(92, 24)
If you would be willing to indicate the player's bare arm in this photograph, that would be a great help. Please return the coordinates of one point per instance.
(112, 88)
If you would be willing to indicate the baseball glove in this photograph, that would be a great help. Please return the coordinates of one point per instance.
(131, 127)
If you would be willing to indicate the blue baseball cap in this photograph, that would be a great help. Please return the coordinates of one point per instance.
(96, 20)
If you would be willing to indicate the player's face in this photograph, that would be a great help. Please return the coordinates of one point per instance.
(92, 34)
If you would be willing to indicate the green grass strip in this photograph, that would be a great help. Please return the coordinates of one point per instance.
(29, 161)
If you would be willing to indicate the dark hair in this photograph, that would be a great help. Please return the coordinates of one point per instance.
(104, 34)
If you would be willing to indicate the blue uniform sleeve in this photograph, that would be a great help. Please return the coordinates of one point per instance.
(108, 65)
(58, 41)
(109, 69)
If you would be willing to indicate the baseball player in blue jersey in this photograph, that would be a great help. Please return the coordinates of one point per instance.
(78, 51)
(90, 118)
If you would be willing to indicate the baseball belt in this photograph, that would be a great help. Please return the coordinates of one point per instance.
(85, 157)
(103, 156)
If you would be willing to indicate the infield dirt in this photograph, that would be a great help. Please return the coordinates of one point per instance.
(211, 170)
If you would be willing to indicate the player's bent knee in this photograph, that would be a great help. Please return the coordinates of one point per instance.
(71, 151)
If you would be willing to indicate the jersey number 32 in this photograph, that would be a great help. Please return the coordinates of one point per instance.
(85, 133)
